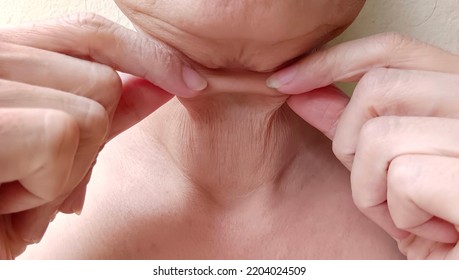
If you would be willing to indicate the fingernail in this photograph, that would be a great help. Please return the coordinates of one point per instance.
(74, 205)
(36, 232)
(192, 79)
(77, 207)
(282, 77)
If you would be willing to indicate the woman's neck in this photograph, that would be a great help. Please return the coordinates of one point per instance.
(233, 144)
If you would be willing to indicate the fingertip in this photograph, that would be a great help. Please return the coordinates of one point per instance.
(185, 83)
(283, 80)
(31, 225)
(193, 80)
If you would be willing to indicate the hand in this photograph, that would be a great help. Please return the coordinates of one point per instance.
(61, 100)
(397, 135)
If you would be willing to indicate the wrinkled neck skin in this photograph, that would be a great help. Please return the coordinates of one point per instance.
(237, 140)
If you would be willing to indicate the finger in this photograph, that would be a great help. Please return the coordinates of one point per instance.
(351, 60)
(423, 187)
(37, 147)
(12, 245)
(140, 98)
(136, 100)
(98, 39)
(436, 229)
(75, 201)
(321, 108)
(385, 138)
(31, 225)
(15, 198)
(395, 92)
(90, 116)
(64, 73)
(419, 248)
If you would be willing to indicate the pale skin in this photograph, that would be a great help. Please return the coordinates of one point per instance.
(396, 135)
(228, 170)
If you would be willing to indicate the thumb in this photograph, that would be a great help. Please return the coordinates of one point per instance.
(321, 108)
(139, 99)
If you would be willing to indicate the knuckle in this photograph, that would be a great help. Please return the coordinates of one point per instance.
(62, 132)
(402, 181)
(383, 126)
(360, 203)
(378, 92)
(372, 83)
(89, 21)
(376, 135)
(343, 152)
(392, 40)
(96, 120)
(402, 175)
(167, 61)
(108, 86)
(87, 27)
(162, 54)
(391, 43)
(372, 130)
(147, 49)
(111, 80)
(64, 126)
(375, 91)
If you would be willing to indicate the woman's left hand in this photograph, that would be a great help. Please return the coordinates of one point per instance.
(398, 134)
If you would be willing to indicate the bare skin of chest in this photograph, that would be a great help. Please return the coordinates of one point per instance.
(141, 206)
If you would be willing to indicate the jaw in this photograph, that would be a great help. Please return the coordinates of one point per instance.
(258, 36)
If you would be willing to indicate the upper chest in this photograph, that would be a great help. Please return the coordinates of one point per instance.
(155, 217)
(141, 209)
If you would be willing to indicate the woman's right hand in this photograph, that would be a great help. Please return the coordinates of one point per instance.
(61, 100)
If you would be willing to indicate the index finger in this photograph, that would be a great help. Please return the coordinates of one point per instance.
(351, 60)
(97, 39)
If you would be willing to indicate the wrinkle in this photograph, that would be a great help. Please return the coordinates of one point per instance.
(238, 30)
(237, 137)
(227, 149)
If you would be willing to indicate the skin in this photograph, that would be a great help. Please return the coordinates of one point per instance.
(269, 187)
(222, 174)
(396, 135)
(60, 103)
